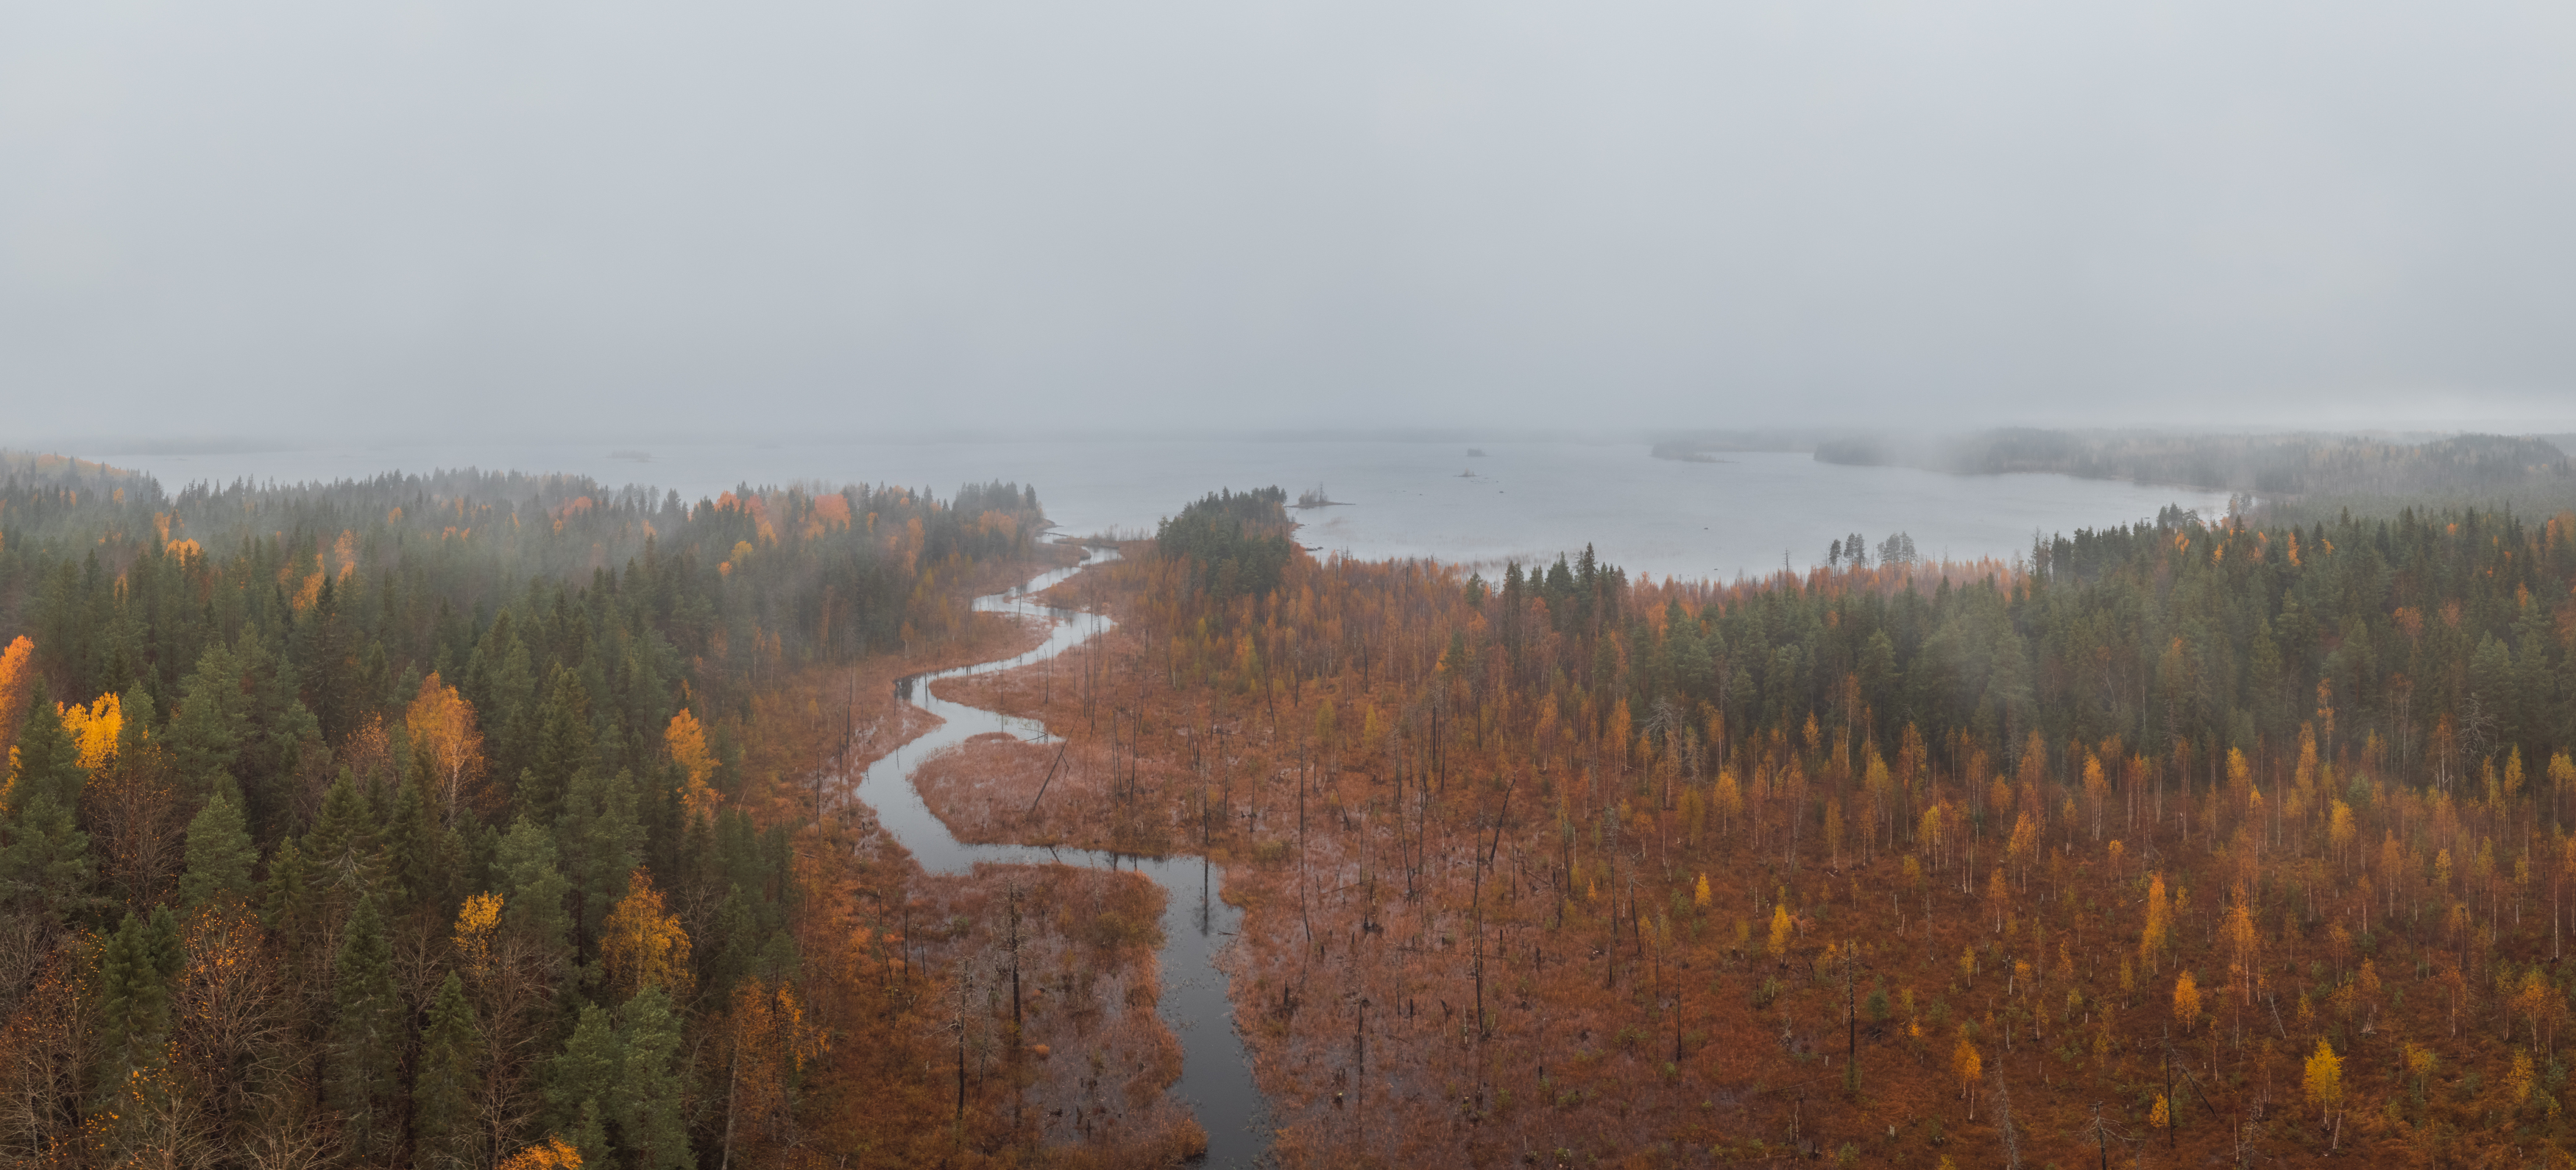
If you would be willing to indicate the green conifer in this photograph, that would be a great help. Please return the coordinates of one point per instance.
(45, 866)
(367, 1035)
(206, 732)
(47, 761)
(342, 848)
(442, 1126)
(220, 853)
(134, 972)
(563, 746)
(651, 1081)
(533, 888)
(290, 908)
(581, 1083)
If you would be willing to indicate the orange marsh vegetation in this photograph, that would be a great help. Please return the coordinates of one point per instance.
(1510, 902)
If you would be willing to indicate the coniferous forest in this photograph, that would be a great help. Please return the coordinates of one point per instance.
(454, 820)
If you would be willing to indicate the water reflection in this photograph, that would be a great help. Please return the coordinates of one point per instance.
(1216, 1070)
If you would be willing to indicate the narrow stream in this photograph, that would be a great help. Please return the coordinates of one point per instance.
(1216, 1070)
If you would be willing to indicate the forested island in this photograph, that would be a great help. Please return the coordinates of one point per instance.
(473, 820)
(2320, 471)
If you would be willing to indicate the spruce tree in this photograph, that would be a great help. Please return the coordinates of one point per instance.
(651, 1081)
(342, 847)
(442, 1126)
(46, 762)
(206, 732)
(533, 889)
(134, 973)
(416, 856)
(366, 1038)
(134, 737)
(581, 1084)
(600, 842)
(562, 749)
(290, 907)
(220, 853)
(45, 866)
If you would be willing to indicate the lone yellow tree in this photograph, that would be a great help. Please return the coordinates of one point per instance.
(443, 732)
(1970, 1066)
(2186, 1001)
(688, 744)
(643, 943)
(2324, 1083)
(2159, 927)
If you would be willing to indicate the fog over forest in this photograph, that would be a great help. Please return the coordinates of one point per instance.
(285, 218)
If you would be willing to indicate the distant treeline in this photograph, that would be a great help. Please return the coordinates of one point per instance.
(2522, 466)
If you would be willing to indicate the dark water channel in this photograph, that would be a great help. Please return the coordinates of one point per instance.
(1216, 1070)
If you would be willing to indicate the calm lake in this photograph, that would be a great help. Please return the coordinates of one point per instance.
(1524, 500)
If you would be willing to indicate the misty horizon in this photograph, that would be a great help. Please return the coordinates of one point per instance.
(286, 220)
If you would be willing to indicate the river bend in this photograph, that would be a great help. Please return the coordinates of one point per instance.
(1216, 1070)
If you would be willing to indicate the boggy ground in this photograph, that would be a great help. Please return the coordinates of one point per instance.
(1081, 1078)
(1569, 968)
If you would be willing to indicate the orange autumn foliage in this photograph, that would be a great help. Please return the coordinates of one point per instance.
(688, 743)
(17, 678)
(554, 1153)
(443, 730)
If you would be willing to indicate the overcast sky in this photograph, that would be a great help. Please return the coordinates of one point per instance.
(223, 219)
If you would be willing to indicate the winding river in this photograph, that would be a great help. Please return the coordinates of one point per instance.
(1216, 1070)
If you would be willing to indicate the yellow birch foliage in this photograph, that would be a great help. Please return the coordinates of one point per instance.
(2186, 1001)
(1965, 1061)
(2243, 941)
(554, 1153)
(688, 744)
(442, 728)
(474, 926)
(2024, 844)
(643, 942)
(1780, 930)
(17, 678)
(93, 729)
(2324, 1079)
(2159, 919)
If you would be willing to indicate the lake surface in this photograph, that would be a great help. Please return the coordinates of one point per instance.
(1216, 1070)
(1526, 500)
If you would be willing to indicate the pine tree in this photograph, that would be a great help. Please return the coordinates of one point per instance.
(443, 1129)
(366, 1035)
(220, 853)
